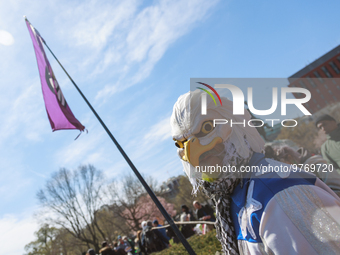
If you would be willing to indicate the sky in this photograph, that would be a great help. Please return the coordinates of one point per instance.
(132, 59)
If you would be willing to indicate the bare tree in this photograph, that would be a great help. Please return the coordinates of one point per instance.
(127, 197)
(184, 195)
(73, 198)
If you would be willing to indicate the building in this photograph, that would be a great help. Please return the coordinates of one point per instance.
(169, 189)
(322, 79)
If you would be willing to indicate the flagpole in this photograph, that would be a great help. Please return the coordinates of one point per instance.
(134, 169)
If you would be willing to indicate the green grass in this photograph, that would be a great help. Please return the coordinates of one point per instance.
(202, 245)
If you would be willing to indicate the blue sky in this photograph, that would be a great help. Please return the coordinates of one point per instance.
(132, 59)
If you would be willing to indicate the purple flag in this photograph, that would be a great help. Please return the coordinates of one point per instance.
(58, 111)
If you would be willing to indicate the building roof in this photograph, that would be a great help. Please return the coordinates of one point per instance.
(321, 60)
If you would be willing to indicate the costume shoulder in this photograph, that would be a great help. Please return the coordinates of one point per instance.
(250, 201)
(273, 212)
(305, 215)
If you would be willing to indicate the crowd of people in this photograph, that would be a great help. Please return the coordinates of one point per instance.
(328, 162)
(124, 246)
(154, 237)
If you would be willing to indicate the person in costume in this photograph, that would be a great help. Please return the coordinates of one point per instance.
(269, 210)
(330, 149)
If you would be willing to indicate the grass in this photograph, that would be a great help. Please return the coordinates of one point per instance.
(202, 245)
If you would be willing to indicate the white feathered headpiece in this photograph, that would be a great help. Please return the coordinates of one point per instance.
(186, 123)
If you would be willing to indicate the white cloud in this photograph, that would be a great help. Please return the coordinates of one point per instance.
(159, 132)
(151, 142)
(12, 181)
(25, 113)
(15, 233)
(84, 149)
(95, 28)
(133, 52)
(6, 38)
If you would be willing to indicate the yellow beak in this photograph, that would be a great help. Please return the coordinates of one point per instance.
(193, 149)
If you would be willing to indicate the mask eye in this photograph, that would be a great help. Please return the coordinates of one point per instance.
(207, 127)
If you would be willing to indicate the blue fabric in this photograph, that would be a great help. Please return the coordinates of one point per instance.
(163, 232)
(265, 189)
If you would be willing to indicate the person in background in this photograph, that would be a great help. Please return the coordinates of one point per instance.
(143, 224)
(205, 213)
(123, 246)
(114, 244)
(330, 150)
(171, 234)
(153, 239)
(161, 230)
(139, 248)
(106, 250)
(115, 248)
(270, 152)
(187, 229)
(304, 160)
(90, 252)
(130, 242)
(189, 214)
(142, 236)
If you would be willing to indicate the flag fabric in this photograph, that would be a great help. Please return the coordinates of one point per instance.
(58, 111)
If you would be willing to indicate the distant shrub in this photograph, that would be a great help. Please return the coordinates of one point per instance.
(202, 245)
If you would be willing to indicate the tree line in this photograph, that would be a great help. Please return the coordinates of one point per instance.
(80, 208)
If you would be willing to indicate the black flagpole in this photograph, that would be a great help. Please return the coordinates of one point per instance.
(134, 169)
